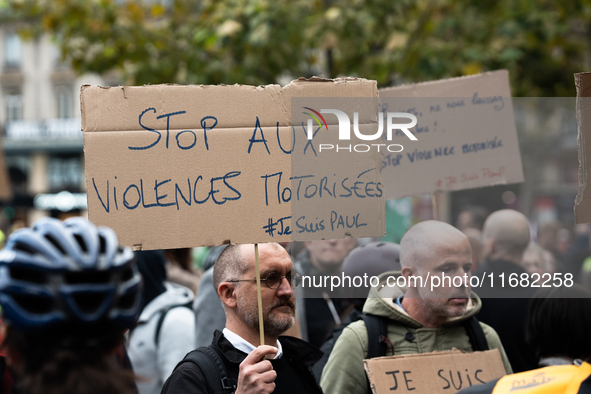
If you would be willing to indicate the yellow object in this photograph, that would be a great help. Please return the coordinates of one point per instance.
(563, 379)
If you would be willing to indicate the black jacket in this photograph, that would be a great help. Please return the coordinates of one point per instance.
(294, 369)
(504, 309)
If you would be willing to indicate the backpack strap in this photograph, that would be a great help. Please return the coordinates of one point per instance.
(476, 334)
(377, 330)
(163, 313)
(213, 369)
(377, 338)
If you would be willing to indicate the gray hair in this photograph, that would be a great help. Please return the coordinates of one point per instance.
(230, 265)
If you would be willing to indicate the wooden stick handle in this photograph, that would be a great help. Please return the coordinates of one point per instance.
(259, 298)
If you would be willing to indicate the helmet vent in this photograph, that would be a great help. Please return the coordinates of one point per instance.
(81, 242)
(127, 275)
(34, 304)
(127, 301)
(28, 275)
(24, 248)
(90, 302)
(54, 242)
(76, 278)
(103, 244)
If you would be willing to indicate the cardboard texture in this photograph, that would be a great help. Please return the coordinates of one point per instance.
(583, 199)
(5, 186)
(334, 189)
(466, 136)
(433, 373)
(171, 166)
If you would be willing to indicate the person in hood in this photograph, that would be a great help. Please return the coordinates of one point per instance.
(419, 319)
(165, 332)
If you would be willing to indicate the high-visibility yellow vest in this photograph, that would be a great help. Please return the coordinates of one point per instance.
(560, 379)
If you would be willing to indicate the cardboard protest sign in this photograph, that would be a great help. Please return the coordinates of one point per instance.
(465, 132)
(179, 166)
(583, 199)
(346, 175)
(433, 373)
(5, 187)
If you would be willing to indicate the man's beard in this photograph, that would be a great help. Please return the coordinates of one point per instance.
(273, 325)
(440, 306)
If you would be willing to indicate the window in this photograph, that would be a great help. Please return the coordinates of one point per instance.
(12, 50)
(65, 173)
(64, 102)
(14, 107)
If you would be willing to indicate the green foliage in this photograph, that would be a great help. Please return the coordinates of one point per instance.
(542, 43)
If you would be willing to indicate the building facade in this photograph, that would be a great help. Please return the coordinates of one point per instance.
(40, 130)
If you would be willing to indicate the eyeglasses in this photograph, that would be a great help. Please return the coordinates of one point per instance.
(273, 280)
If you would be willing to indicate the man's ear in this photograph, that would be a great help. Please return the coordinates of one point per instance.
(407, 271)
(488, 248)
(227, 294)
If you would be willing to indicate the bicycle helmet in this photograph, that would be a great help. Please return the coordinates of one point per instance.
(68, 274)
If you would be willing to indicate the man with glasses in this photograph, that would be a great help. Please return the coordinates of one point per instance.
(235, 361)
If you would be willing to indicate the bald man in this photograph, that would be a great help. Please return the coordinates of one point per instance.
(237, 349)
(506, 236)
(419, 319)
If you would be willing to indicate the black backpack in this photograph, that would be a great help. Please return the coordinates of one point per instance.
(377, 334)
(213, 368)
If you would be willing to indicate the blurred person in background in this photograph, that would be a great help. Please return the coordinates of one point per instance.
(557, 328)
(556, 239)
(207, 308)
(506, 235)
(535, 260)
(551, 264)
(68, 292)
(471, 216)
(475, 238)
(319, 311)
(372, 259)
(165, 331)
(179, 268)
